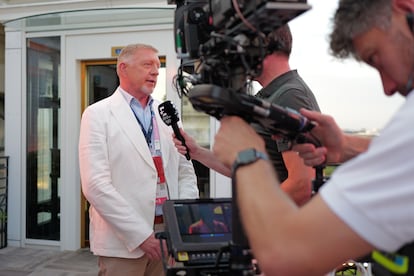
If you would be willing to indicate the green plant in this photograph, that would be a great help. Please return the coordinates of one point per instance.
(3, 219)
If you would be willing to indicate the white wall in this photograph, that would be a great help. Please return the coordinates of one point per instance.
(220, 184)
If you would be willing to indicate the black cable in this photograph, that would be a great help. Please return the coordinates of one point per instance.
(162, 236)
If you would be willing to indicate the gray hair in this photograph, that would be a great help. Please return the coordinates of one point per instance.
(128, 51)
(354, 17)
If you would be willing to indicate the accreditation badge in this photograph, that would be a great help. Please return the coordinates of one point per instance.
(162, 191)
(160, 169)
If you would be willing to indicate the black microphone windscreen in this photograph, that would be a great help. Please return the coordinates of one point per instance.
(168, 113)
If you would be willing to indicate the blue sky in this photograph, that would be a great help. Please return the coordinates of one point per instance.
(349, 91)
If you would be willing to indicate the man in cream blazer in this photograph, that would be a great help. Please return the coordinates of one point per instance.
(118, 174)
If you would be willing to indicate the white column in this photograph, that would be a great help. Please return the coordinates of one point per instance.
(14, 135)
(220, 185)
(70, 190)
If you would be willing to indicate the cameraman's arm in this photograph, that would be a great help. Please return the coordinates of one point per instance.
(281, 234)
(338, 147)
(354, 145)
(202, 155)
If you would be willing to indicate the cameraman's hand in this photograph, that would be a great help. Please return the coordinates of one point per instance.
(330, 136)
(234, 136)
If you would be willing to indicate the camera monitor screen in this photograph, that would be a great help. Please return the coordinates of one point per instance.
(198, 226)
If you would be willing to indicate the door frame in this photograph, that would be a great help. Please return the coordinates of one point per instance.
(84, 103)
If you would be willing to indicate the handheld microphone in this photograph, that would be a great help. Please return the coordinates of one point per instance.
(169, 115)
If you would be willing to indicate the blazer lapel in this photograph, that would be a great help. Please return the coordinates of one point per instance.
(127, 121)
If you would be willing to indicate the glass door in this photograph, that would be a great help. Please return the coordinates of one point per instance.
(43, 139)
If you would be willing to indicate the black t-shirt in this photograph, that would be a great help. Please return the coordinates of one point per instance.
(287, 90)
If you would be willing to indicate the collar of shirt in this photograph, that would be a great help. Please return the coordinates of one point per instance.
(143, 113)
(276, 83)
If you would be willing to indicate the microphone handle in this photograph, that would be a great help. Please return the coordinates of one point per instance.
(181, 138)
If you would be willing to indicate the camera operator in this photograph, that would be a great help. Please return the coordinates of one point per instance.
(368, 202)
(284, 87)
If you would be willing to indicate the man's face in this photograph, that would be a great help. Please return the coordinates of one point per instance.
(142, 72)
(391, 52)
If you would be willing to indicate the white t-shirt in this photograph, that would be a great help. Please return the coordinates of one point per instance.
(374, 192)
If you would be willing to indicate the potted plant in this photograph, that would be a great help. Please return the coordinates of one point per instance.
(3, 219)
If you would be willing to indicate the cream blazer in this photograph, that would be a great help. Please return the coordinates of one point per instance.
(119, 178)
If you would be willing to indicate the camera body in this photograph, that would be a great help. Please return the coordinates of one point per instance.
(226, 40)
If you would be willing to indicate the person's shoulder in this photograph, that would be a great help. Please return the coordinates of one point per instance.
(101, 104)
(100, 108)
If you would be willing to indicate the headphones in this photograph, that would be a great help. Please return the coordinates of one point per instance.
(274, 46)
(410, 21)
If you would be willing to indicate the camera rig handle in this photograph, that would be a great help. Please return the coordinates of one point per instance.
(218, 102)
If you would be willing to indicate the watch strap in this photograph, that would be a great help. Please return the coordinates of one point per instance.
(247, 157)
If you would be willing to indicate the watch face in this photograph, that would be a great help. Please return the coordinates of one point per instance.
(245, 156)
(250, 155)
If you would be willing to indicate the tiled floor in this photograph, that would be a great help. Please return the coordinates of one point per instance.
(16, 261)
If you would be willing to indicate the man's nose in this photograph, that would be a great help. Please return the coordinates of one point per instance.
(155, 70)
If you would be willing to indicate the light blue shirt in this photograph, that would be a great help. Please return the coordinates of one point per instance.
(143, 113)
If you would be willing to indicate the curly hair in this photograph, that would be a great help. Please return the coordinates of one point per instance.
(354, 17)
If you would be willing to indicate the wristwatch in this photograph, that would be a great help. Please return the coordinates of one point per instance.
(246, 157)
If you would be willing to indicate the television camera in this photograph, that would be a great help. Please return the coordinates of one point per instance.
(221, 45)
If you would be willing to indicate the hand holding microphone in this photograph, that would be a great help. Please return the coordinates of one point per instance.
(169, 115)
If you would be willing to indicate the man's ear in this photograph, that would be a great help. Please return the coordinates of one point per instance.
(407, 6)
(121, 67)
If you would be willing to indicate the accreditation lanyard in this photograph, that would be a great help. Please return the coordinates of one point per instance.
(155, 148)
(147, 133)
(162, 188)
